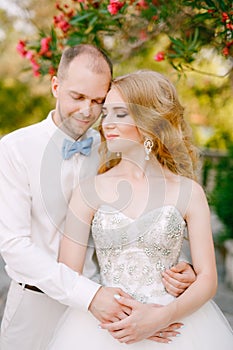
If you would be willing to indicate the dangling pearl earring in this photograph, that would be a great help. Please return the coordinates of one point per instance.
(118, 154)
(148, 144)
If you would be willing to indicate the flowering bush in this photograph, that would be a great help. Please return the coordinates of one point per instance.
(121, 26)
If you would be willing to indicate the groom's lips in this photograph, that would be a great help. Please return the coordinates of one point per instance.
(82, 121)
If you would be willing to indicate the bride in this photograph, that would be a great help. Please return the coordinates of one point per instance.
(140, 207)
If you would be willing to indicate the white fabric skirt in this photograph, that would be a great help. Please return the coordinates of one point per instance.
(205, 329)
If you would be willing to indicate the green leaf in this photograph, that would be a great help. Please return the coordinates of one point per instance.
(194, 40)
(201, 17)
(177, 42)
(177, 50)
(223, 6)
(93, 20)
(173, 55)
(104, 12)
(54, 37)
(78, 18)
(75, 40)
(210, 3)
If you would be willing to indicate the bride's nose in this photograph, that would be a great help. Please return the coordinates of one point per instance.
(109, 125)
(109, 122)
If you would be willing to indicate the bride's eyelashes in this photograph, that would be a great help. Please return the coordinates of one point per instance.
(116, 112)
(121, 115)
(118, 115)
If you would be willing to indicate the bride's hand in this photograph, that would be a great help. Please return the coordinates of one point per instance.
(144, 322)
(106, 308)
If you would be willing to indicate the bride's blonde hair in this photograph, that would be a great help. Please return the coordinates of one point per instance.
(153, 103)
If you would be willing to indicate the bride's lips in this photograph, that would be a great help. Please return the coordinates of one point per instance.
(111, 136)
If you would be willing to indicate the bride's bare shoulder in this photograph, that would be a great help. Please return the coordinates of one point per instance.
(110, 175)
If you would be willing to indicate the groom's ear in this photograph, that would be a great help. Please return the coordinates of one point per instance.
(55, 86)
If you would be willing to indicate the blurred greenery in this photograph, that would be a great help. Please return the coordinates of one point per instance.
(22, 99)
(20, 106)
(221, 198)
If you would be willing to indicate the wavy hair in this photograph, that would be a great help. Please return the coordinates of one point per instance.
(153, 103)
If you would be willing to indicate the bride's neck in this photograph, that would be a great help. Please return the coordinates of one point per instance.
(140, 167)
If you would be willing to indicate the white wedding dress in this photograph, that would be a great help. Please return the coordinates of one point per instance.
(131, 254)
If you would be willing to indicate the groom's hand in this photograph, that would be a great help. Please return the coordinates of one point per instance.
(178, 278)
(105, 307)
(166, 335)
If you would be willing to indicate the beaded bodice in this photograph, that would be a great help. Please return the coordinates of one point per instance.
(133, 252)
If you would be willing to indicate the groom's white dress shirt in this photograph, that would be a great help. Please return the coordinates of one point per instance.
(35, 188)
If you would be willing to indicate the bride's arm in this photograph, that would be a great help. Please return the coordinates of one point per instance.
(203, 257)
(73, 244)
(148, 318)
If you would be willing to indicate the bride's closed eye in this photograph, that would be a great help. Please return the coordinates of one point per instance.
(118, 115)
(121, 115)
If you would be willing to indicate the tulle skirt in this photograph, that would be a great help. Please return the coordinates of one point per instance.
(205, 329)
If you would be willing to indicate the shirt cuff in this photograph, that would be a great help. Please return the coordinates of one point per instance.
(85, 292)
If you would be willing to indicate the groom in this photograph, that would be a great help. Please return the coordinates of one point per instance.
(39, 168)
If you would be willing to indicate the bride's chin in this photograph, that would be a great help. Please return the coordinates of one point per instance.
(113, 149)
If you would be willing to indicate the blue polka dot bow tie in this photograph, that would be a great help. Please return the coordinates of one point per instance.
(69, 148)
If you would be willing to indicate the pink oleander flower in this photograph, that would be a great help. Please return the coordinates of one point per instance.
(143, 35)
(60, 22)
(115, 6)
(65, 26)
(45, 46)
(229, 43)
(58, 6)
(142, 4)
(155, 18)
(160, 56)
(225, 17)
(70, 13)
(30, 55)
(36, 72)
(229, 26)
(58, 19)
(52, 71)
(225, 51)
(35, 68)
(21, 48)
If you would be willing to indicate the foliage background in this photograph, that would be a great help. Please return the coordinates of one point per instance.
(25, 99)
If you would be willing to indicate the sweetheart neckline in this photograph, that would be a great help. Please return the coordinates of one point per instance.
(144, 214)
